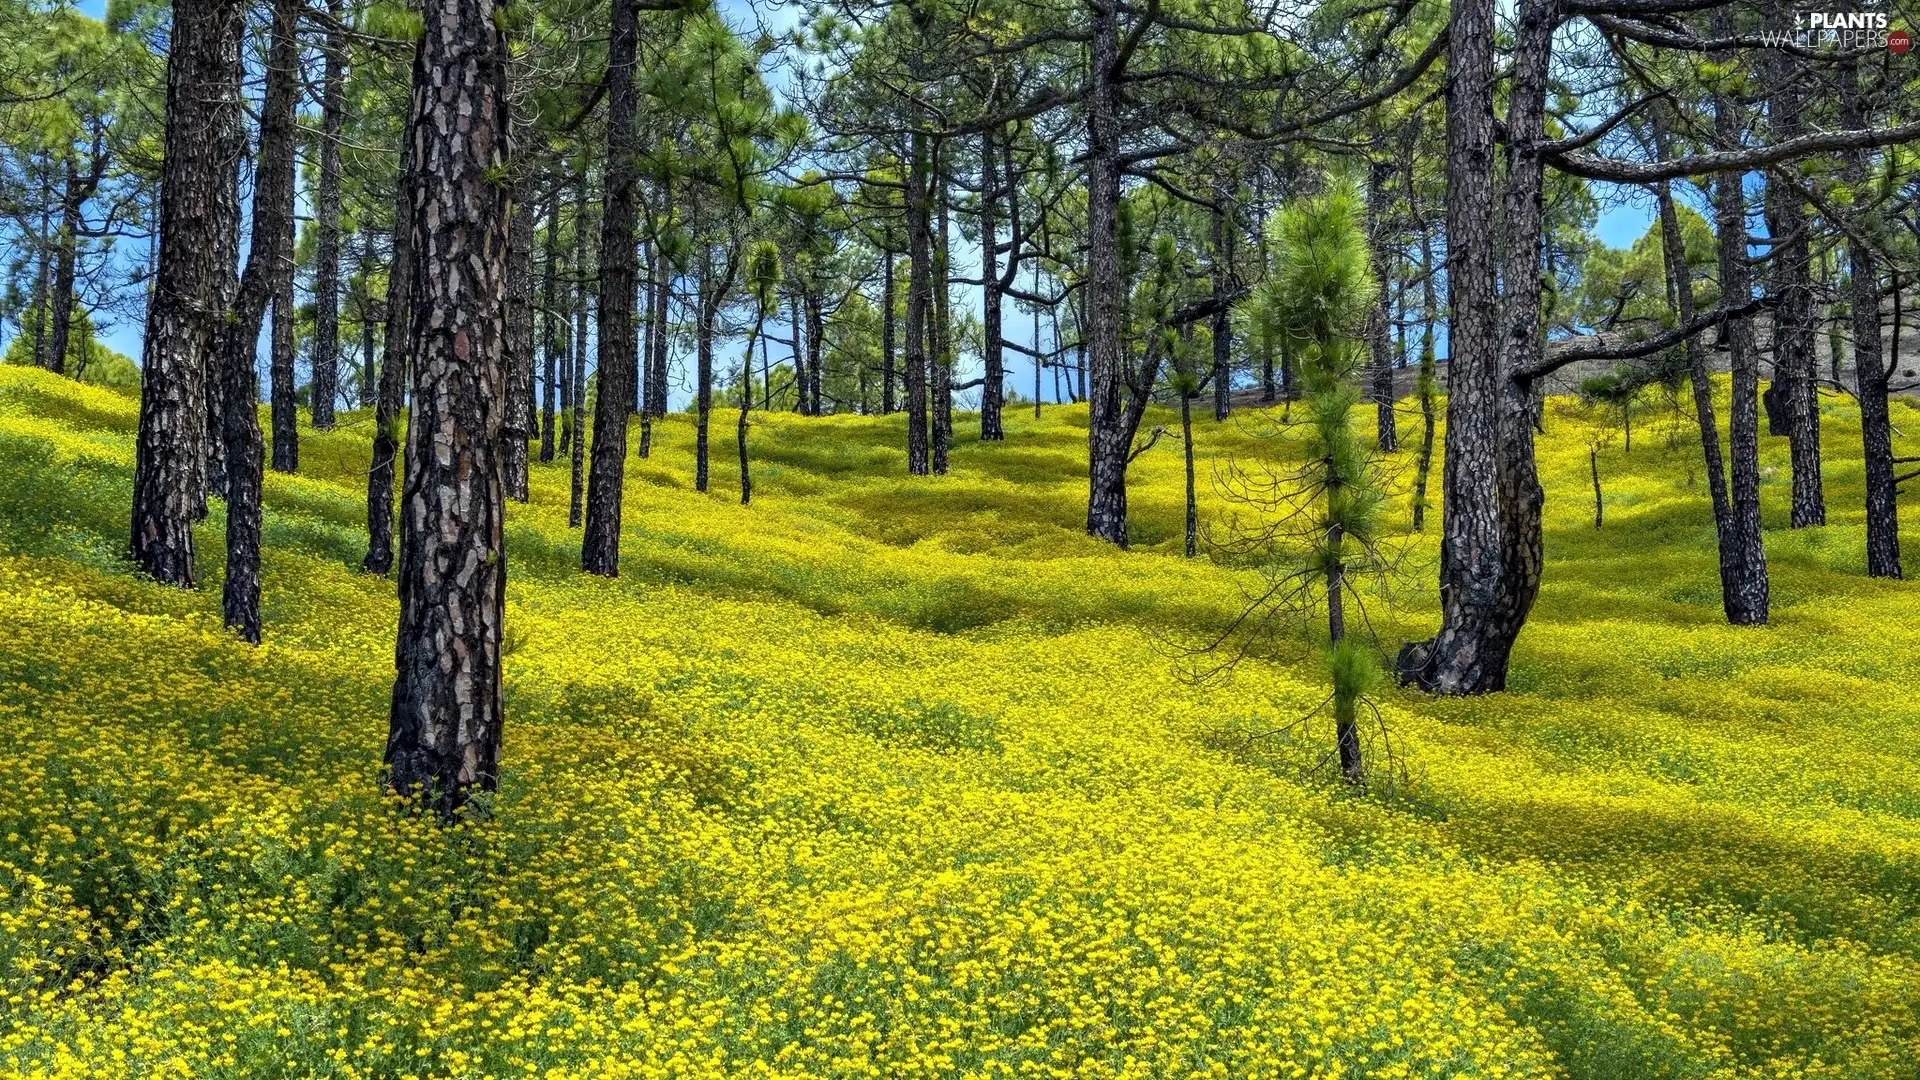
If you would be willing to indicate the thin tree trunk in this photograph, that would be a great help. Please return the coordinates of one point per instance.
(703, 377)
(393, 371)
(1222, 327)
(1386, 426)
(517, 419)
(577, 410)
(1429, 377)
(367, 391)
(1593, 463)
(43, 273)
(1186, 440)
(1794, 367)
(600, 548)
(993, 381)
(196, 207)
(326, 251)
(657, 360)
(816, 345)
(550, 322)
(941, 347)
(887, 374)
(444, 727)
(919, 297)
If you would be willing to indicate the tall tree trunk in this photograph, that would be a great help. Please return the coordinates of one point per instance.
(79, 188)
(1380, 373)
(816, 346)
(550, 323)
(919, 297)
(363, 301)
(267, 277)
(444, 728)
(600, 548)
(993, 381)
(1108, 443)
(887, 374)
(196, 207)
(799, 353)
(657, 364)
(1428, 388)
(703, 374)
(1795, 372)
(43, 272)
(518, 419)
(1186, 444)
(649, 286)
(940, 349)
(286, 401)
(577, 410)
(1871, 369)
(1748, 604)
(1222, 327)
(1462, 658)
(326, 249)
(393, 369)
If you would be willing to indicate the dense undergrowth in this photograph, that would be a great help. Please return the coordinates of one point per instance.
(897, 777)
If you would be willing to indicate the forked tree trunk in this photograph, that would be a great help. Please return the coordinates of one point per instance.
(196, 207)
(600, 548)
(444, 727)
(268, 275)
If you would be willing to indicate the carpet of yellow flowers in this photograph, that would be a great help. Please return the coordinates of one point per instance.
(891, 777)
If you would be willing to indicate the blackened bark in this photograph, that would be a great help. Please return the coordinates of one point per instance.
(1794, 369)
(368, 390)
(600, 548)
(1380, 372)
(1746, 604)
(1186, 444)
(1871, 370)
(1222, 326)
(267, 277)
(1460, 659)
(286, 402)
(993, 384)
(551, 321)
(43, 273)
(887, 374)
(816, 347)
(393, 369)
(518, 421)
(703, 376)
(326, 249)
(577, 424)
(940, 349)
(1429, 375)
(80, 186)
(445, 723)
(657, 362)
(196, 207)
(1108, 443)
(919, 297)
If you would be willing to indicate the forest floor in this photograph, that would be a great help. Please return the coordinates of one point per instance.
(906, 777)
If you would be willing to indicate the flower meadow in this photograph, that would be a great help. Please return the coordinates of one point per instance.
(892, 777)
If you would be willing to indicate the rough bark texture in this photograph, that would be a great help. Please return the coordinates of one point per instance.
(702, 378)
(393, 371)
(80, 186)
(919, 297)
(1795, 373)
(1747, 602)
(600, 548)
(657, 357)
(940, 349)
(519, 418)
(1222, 325)
(551, 322)
(1107, 443)
(326, 248)
(1461, 658)
(1871, 369)
(993, 381)
(268, 274)
(887, 374)
(1429, 378)
(1380, 371)
(196, 206)
(576, 503)
(444, 727)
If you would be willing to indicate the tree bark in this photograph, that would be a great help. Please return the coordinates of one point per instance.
(445, 723)
(993, 383)
(940, 349)
(267, 277)
(393, 370)
(1108, 444)
(577, 420)
(196, 207)
(1466, 657)
(657, 362)
(919, 296)
(518, 421)
(887, 374)
(1795, 374)
(1386, 426)
(1870, 368)
(703, 375)
(80, 186)
(326, 251)
(1222, 326)
(1429, 377)
(600, 547)
(550, 322)
(1747, 603)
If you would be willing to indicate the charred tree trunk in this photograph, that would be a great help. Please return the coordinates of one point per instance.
(518, 407)
(267, 278)
(551, 324)
(326, 249)
(1108, 442)
(393, 371)
(919, 297)
(600, 548)
(1746, 604)
(816, 346)
(196, 207)
(657, 362)
(1467, 656)
(993, 381)
(1795, 372)
(703, 376)
(1379, 340)
(444, 727)
(1871, 369)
